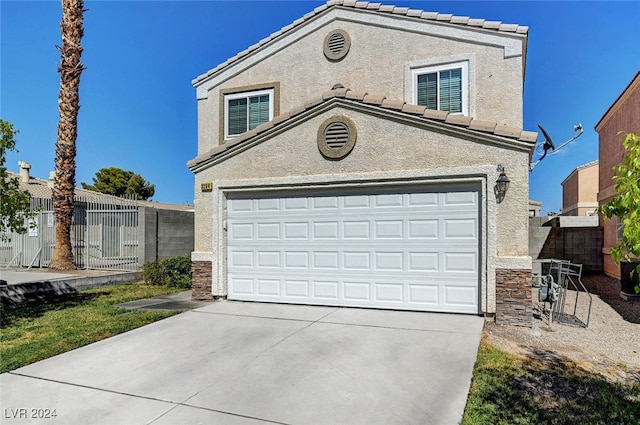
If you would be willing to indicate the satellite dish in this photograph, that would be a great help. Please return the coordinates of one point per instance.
(548, 143)
(543, 148)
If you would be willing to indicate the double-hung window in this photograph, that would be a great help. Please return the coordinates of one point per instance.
(246, 111)
(443, 88)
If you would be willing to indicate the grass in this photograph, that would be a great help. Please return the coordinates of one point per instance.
(40, 329)
(511, 390)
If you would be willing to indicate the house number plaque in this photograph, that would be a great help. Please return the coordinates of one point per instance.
(206, 187)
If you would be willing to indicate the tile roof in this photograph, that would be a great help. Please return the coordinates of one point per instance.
(39, 188)
(374, 7)
(517, 135)
(635, 79)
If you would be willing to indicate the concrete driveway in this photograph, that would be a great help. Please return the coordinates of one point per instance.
(252, 363)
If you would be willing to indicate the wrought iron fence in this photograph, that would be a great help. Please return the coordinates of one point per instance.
(104, 235)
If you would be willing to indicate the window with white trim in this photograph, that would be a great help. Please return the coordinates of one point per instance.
(246, 111)
(619, 228)
(443, 87)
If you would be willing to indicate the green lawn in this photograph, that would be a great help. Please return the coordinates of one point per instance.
(36, 330)
(509, 390)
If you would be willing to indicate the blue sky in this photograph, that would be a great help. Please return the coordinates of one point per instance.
(138, 107)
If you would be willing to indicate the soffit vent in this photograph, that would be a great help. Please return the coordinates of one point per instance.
(336, 45)
(336, 137)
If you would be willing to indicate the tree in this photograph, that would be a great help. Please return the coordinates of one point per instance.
(626, 204)
(14, 202)
(70, 70)
(118, 182)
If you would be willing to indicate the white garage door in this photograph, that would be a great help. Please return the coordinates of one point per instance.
(409, 251)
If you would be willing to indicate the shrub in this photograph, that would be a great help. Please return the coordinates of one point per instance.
(173, 272)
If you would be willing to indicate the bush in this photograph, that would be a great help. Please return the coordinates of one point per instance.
(173, 272)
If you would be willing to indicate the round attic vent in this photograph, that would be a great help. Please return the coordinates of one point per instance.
(336, 137)
(336, 45)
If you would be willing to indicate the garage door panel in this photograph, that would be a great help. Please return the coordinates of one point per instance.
(241, 259)
(388, 261)
(459, 198)
(359, 261)
(268, 231)
(460, 295)
(386, 292)
(386, 201)
(423, 229)
(325, 289)
(428, 295)
(296, 289)
(296, 204)
(460, 228)
(269, 259)
(423, 261)
(268, 287)
(296, 259)
(325, 230)
(357, 291)
(355, 201)
(388, 229)
(296, 230)
(460, 262)
(416, 251)
(268, 205)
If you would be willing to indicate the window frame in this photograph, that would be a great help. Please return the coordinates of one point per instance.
(619, 228)
(245, 95)
(431, 69)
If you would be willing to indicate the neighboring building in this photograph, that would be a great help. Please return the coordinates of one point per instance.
(622, 116)
(351, 159)
(534, 208)
(107, 232)
(580, 190)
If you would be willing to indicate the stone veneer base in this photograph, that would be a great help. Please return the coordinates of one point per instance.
(514, 302)
(201, 278)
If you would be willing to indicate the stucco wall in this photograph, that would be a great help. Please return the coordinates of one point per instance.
(580, 191)
(495, 75)
(624, 116)
(385, 150)
(570, 194)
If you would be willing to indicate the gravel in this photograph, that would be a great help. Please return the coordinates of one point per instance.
(609, 346)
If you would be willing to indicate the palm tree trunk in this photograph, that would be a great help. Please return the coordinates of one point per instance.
(68, 105)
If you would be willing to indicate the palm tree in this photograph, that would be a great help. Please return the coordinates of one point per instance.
(68, 105)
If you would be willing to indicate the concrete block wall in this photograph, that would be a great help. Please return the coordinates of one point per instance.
(166, 233)
(581, 245)
(175, 233)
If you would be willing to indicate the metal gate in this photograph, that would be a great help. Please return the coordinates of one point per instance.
(104, 235)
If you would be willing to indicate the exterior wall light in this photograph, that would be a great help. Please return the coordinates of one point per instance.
(502, 184)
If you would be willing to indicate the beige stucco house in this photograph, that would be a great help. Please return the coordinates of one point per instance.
(580, 190)
(351, 159)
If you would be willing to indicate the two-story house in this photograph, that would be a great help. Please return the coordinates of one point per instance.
(580, 190)
(352, 159)
(623, 116)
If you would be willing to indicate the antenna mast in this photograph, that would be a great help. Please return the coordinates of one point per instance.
(543, 148)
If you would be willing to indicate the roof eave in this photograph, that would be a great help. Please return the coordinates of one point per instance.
(455, 125)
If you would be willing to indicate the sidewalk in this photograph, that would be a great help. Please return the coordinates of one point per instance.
(23, 284)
